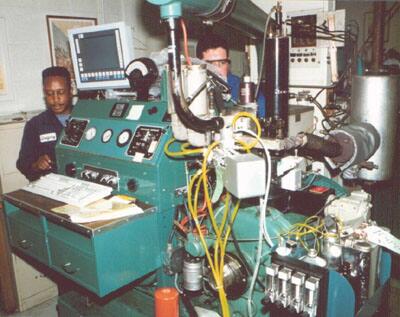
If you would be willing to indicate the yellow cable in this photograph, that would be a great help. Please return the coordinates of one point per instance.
(221, 228)
(227, 234)
(244, 145)
(215, 271)
(179, 153)
(254, 119)
(219, 281)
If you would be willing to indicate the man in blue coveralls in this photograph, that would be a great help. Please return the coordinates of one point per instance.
(214, 50)
(37, 154)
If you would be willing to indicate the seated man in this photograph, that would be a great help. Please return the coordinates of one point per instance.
(214, 50)
(37, 154)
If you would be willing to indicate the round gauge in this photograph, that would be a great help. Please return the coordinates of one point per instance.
(124, 137)
(106, 135)
(90, 133)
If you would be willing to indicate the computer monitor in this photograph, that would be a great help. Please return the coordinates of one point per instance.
(100, 54)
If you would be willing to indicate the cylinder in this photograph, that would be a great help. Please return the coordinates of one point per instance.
(375, 100)
(247, 91)
(193, 77)
(192, 273)
(166, 301)
(277, 83)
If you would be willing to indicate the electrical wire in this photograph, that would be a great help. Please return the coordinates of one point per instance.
(185, 43)
(263, 203)
(215, 273)
(182, 152)
(256, 122)
(263, 50)
(262, 223)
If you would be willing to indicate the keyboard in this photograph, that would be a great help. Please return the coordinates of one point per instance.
(69, 190)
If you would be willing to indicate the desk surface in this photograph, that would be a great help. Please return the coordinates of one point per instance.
(41, 205)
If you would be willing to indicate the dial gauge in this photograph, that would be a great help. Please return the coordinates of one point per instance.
(90, 133)
(106, 135)
(124, 137)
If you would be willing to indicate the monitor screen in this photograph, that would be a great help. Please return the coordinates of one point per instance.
(100, 52)
(100, 55)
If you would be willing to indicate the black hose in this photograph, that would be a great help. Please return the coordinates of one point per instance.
(188, 305)
(195, 123)
(174, 62)
(246, 264)
(322, 146)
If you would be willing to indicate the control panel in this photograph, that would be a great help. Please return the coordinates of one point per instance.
(100, 176)
(145, 141)
(74, 132)
(121, 146)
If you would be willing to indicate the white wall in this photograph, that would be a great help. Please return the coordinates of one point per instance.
(26, 42)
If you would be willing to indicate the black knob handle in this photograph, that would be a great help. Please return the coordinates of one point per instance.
(132, 185)
(152, 110)
(70, 169)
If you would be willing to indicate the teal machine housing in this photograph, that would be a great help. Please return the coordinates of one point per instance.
(121, 144)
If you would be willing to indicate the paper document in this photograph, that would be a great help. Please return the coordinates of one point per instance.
(385, 239)
(103, 209)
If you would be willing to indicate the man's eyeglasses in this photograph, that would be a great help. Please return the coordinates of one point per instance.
(219, 62)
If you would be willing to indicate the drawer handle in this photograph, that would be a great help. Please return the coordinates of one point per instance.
(25, 244)
(68, 268)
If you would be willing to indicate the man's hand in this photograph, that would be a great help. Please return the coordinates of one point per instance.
(43, 163)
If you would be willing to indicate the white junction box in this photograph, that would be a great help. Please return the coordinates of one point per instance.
(291, 169)
(301, 119)
(245, 175)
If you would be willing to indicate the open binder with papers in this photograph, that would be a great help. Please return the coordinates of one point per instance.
(103, 209)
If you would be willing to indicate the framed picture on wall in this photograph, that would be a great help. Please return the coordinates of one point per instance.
(57, 28)
(6, 91)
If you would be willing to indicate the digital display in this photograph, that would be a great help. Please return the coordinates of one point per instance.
(304, 32)
(99, 52)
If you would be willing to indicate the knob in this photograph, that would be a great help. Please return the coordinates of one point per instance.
(152, 110)
(70, 169)
(132, 185)
(112, 181)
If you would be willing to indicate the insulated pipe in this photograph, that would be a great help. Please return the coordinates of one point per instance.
(378, 35)
(242, 15)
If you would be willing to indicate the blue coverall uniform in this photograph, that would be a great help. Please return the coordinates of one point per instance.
(39, 138)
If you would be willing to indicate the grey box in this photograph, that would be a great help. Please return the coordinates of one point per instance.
(245, 175)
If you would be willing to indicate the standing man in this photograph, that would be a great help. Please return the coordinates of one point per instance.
(214, 50)
(37, 154)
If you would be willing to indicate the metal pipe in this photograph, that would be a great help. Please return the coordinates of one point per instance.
(378, 36)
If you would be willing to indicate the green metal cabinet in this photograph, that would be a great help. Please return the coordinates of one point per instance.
(102, 257)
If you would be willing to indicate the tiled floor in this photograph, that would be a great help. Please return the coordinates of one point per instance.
(47, 309)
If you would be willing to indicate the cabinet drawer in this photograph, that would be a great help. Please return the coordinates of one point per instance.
(70, 238)
(28, 240)
(73, 263)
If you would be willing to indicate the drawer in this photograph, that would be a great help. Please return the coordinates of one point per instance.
(73, 263)
(26, 218)
(70, 238)
(28, 240)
